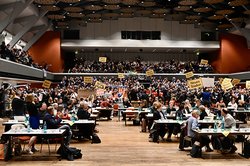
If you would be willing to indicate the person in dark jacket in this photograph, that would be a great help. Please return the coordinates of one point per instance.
(18, 105)
(86, 130)
(161, 128)
(34, 121)
(53, 123)
(82, 112)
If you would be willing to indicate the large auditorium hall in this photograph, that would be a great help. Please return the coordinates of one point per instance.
(124, 82)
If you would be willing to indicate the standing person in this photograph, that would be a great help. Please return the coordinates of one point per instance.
(206, 96)
(18, 105)
(53, 123)
(34, 121)
(2, 101)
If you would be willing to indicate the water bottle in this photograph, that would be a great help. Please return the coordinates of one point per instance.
(222, 123)
(217, 117)
(28, 127)
(181, 118)
(44, 127)
(215, 126)
(26, 120)
(177, 118)
(72, 117)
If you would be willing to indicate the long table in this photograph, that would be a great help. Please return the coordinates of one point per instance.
(134, 112)
(225, 132)
(104, 112)
(79, 127)
(172, 121)
(24, 132)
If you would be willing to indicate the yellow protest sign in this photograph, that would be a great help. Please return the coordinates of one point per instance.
(121, 75)
(103, 59)
(189, 74)
(220, 80)
(150, 72)
(46, 84)
(204, 62)
(225, 80)
(88, 79)
(100, 85)
(227, 84)
(235, 81)
(248, 84)
(197, 83)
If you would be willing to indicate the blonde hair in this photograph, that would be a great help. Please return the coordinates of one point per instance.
(195, 112)
(29, 98)
(157, 105)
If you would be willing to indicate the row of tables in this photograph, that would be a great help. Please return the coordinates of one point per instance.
(55, 133)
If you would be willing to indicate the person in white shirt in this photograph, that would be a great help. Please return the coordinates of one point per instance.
(233, 104)
(226, 144)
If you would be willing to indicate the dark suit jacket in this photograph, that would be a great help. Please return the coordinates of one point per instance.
(157, 115)
(83, 114)
(18, 107)
(51, 121)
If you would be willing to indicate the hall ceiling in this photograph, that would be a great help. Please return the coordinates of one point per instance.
(209, 14)
(29, 19)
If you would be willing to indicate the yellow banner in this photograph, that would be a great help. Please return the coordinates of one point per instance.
(150, 72)
(121, 75)
(88, 79)
(204, 62)
(235, 81)
(197, 83)
(100, 85)
(189, 74)
(227, 84)
(220, 80)
(248, 84)
(103, 59)
(226, 80)
(46, 84)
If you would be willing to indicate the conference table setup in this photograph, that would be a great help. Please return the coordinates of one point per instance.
(247, 111)
(134, 113)
(19, 132)
(103, 112)
(204, 121)
(225, 132)
(79, 127)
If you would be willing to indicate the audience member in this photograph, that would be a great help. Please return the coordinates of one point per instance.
(34, 121)
(53, 123)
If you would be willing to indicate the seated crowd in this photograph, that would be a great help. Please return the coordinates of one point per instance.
(63, 101)
(18, 56)
(139, 66)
